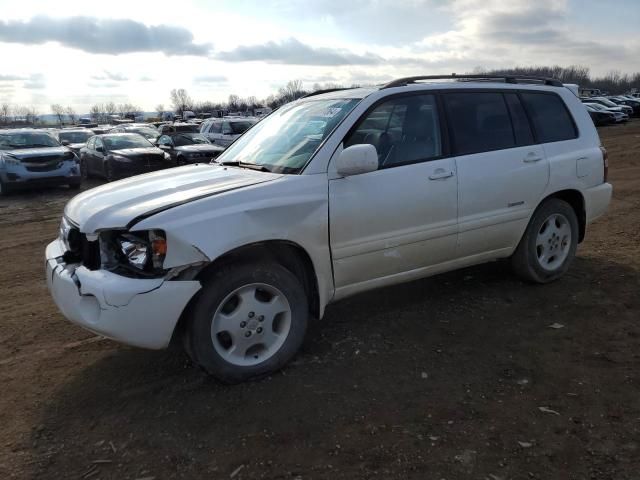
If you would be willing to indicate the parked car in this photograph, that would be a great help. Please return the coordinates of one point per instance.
(617, 112)
(118, 155)
(188, 147)
(74, 138)
(147, 131)
(224, 131)
(30, 158)
(608, 103)
(389, 184)
(178, 127)
(632, 103)
(599, 117)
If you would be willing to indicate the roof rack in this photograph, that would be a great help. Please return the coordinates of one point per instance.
(326, 90)
(403, 82)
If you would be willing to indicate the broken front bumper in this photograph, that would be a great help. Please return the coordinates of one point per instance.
(138, 312)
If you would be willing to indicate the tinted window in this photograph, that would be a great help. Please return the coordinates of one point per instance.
(551, 119)
(521, 127)
(216, 127)
(403, 130)
(98, 143)
(479, 122)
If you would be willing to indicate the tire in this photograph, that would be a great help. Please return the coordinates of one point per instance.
(180, 161)
(236, 340)
(549, 244)
(4, 189)
(84, 169)
(74, 186)
(108, 172)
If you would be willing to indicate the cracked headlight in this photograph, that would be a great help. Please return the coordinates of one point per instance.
(144, 250)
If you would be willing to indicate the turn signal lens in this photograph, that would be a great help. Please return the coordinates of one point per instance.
(605, 161)
(158, 247)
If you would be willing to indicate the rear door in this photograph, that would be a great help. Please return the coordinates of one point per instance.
(502, 172)
(390, 224)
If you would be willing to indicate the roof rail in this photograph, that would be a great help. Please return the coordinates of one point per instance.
(326, 90)
(403, 82)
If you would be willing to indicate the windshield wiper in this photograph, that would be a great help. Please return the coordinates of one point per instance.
(251, 166)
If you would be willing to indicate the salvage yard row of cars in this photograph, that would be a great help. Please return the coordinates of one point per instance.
(46, 157)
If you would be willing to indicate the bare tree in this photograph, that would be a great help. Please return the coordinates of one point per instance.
(181, 100)
(110, 109)
(97, 112)
(160, 109)
(291, 91)
(5, 110)
(32, 115)
(58, 111)
(71, 113)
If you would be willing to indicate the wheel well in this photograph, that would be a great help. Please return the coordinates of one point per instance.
(576, 200)
(288, 254)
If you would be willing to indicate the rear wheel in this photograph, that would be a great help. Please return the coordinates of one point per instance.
(109, 173)
(4, 189)
(84, 170)
(248, 321)
(549, 244)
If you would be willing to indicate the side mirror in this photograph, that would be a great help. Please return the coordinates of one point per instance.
(64, 143)
(165, 146)
(99, 149)
(357, 159)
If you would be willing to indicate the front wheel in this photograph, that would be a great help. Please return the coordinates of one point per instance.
(248, 321)
(549, 244)
(109, 172)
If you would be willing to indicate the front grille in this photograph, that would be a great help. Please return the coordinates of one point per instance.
(43, 167)
(43, 159)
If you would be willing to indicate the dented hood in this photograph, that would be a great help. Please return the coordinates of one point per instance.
(121, 204)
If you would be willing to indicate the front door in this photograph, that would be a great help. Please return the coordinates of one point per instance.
(393, 223)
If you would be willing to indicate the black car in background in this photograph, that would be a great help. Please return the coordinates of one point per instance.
(186, 147)
(75, 138)
(600, 118)
(120, 155)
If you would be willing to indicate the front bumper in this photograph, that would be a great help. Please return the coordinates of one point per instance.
(138, 312)
(19, 175)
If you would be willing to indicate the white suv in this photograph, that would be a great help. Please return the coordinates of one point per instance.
(331, 195)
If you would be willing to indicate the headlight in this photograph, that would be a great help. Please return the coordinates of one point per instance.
(8, 160)
(144, 250)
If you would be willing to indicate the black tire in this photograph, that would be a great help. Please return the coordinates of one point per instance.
(84, 169)
(199, 343)
(525, 259)
(180, 161)
(74, 186)
(108, 172)
(4, 189)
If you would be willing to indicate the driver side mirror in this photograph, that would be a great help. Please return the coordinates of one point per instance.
(100, 149)
(357, 159)
(165, 146)
(64, 143)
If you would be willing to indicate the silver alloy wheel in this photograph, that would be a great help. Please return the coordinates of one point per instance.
(553, 242)
(251, 324)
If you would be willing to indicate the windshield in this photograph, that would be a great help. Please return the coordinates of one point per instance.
(285, 140)
(76, 137)
(189, 139)
(119, 142)
(10, 141)
(606, 102)
(597, 106)
(240, 127)
(146, 132)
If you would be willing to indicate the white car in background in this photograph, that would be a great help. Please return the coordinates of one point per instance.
(224, 131)
(331, 195)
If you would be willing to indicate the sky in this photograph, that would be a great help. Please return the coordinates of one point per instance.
(77, 52)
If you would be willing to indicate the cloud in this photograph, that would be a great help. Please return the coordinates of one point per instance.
(294, 52)
(103, 85)
(106, 36)
(36, 82)
(114, 77)
(145, 78)
(210, 80)
(11, 78)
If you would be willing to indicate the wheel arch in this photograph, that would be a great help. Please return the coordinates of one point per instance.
(287, 253)
(576, 200)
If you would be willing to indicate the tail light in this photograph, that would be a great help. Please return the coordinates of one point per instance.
(605, 162)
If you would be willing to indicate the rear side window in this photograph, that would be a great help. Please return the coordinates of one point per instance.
(521, 127)
(550, 116)
(479, 122)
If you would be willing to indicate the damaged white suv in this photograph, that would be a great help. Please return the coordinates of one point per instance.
(331, 195)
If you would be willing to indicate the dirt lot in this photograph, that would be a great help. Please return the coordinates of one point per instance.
(440, 378)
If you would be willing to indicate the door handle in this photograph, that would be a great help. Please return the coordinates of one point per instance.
(440, 174)
(531, 158)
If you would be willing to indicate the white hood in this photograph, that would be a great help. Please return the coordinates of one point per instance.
(122, 203)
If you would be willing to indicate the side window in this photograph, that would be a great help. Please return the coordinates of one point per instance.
(404, 130)
(226, 128)
(165, 140)
(216, 127)
(479, 122)
(550, 116)
(91, 143)
(521, 127)
(99, 143)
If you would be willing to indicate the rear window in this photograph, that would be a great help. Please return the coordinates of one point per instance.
(550, 116)
(479, 122)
